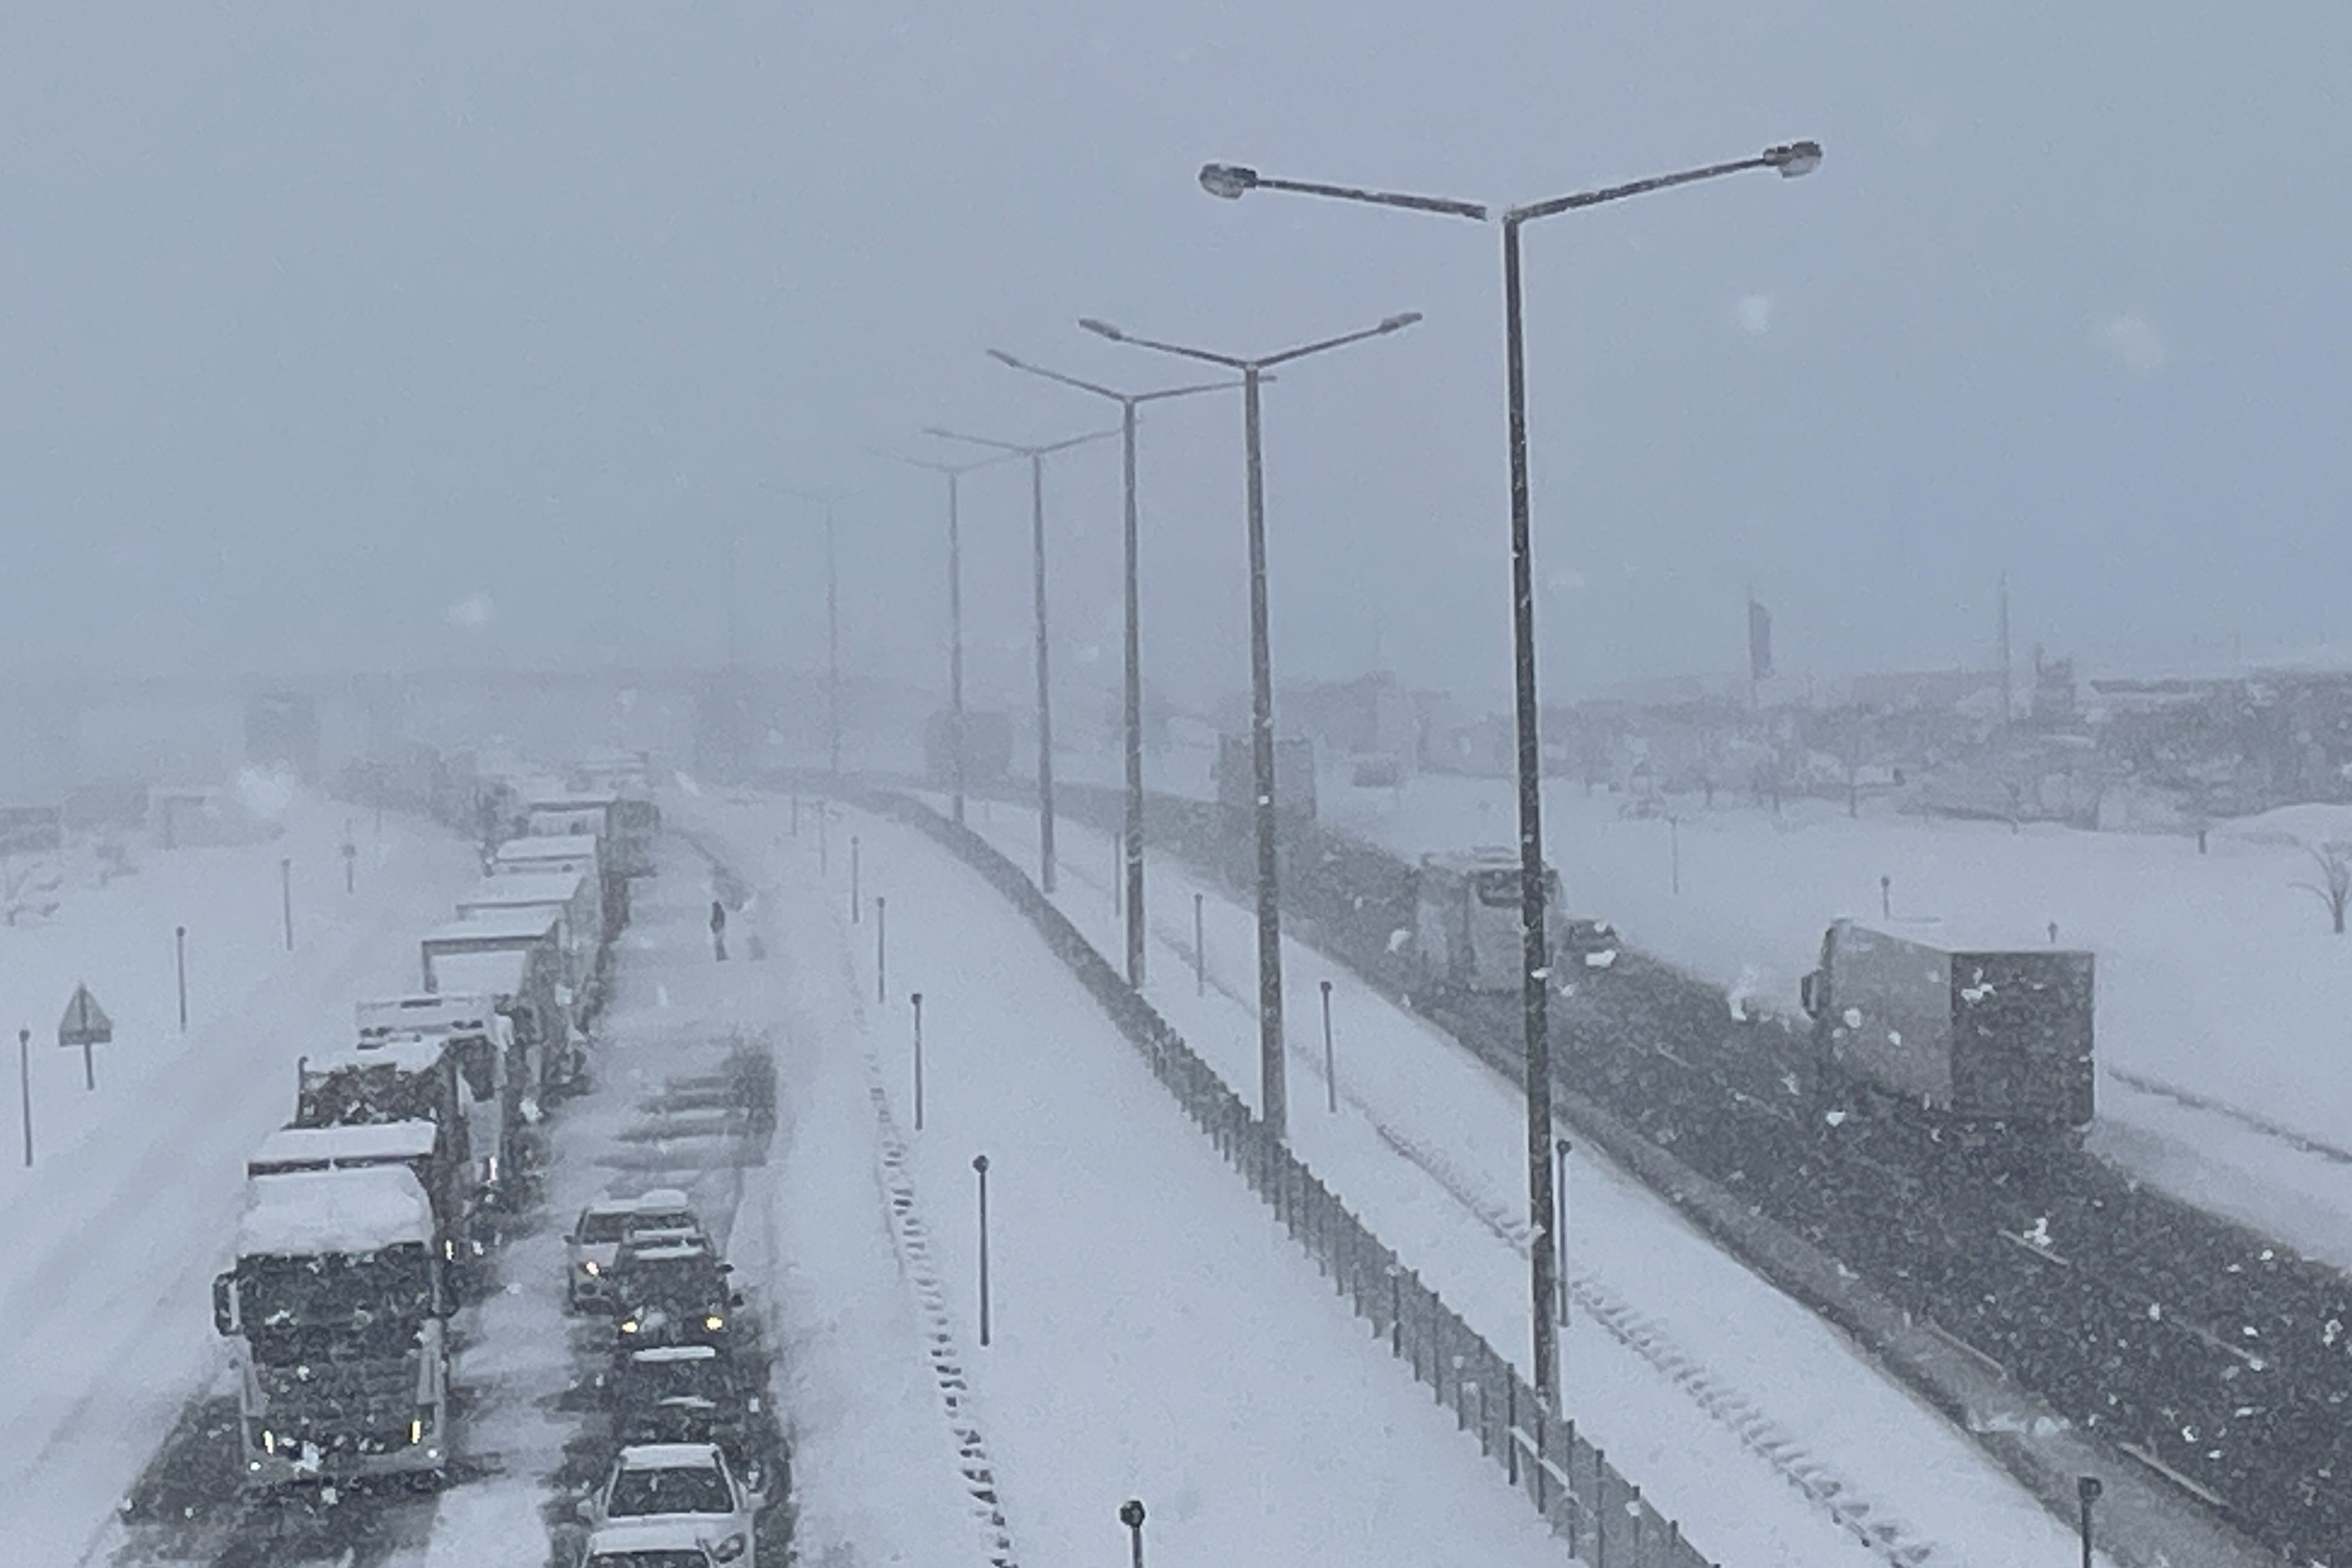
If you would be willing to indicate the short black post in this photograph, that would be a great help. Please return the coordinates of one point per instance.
(25, 1087)
(881, 948)
(286, 897)
(1199, 952)
(2086, 1491)
(1330, 1074)
(824, 838)
(1886, 898)
(855, 851)
(180, 962)
(980, 1167)
(796, 817)
(351, 859)
(1130, 1515)
(917, 998)
(1674, 844)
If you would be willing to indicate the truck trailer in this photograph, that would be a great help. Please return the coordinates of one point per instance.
(1974, 1032)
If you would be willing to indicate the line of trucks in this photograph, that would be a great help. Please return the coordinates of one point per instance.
(370, 1214)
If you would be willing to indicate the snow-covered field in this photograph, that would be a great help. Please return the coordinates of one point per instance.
(113, 1236)
(1155, 1335)
(1770, 1437)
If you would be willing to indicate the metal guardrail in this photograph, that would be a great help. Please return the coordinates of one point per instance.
(1603, 1517)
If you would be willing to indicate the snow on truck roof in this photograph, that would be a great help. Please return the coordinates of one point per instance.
(547, 846)
(487, 974)
(376, 1144)
(301, 1214)
(495, 925)
(402, 1055)
(1964, 934)
(423, 1013)
(525, 888)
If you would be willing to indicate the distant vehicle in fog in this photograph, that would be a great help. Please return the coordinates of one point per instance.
(987, 748)
(1465, 928)
(1294, 777)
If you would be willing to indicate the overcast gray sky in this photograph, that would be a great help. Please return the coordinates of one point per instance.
(363, 336)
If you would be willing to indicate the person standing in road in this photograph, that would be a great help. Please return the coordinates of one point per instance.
(718, 930)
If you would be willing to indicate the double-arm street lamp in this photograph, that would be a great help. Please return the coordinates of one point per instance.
(1234, 181)
(1273, 1103)
(955, 473)
(1037, 456)
(1132, 829)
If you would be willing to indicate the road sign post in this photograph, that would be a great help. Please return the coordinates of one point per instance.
(180, 963)
(85, 1024)
(25, 1087)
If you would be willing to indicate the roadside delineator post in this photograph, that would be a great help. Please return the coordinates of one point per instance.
(881, 948)
(180, 963)
(980, 1168)
(1330, 1072)
(917, 998)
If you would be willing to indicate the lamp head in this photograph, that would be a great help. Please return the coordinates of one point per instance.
(1230, 181)
(1794, 159)
(1399, 322)
(1102, 329)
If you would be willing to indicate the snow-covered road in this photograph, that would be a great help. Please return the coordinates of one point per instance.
(1773, 1438)
(1155, 1335)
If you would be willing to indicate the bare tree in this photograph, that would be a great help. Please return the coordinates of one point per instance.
(2334, 888)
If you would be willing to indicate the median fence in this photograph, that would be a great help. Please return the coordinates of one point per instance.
(1605, 1518)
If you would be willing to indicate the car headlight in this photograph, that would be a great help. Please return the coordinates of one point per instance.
(628, 1325)
(589, 1268)
(729, 1549)
(714, 1322)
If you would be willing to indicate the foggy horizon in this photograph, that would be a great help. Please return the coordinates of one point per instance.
(467, 337)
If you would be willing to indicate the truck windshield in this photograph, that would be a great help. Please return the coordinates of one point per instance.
(385, 1292)
(697, 1489)
(1500, 889)
(369, 1097)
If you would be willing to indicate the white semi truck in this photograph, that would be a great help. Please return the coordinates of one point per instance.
(337, 1308)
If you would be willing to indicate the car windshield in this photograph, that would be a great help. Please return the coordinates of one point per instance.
(663, 1219)
(652, 1557)
(602, 1226)
(645, 1381)
(685, 1488)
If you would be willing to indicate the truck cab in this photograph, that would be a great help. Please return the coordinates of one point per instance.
(336, 1303)
(478, 1043)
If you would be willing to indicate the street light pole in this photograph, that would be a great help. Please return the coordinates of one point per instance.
(1273, 1098)
(1131, 835)
(1232, 182)
(832, 629)
(1037, 456)
(955, 473)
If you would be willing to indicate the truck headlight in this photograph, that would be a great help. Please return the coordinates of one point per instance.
(714, 1322)
(729, 1549)
(628, 1325)
(590, 1269)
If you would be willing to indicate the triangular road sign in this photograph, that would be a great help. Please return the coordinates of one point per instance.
(85, 1023)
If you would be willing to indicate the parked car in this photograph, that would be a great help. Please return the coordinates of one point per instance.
(686, 1485)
